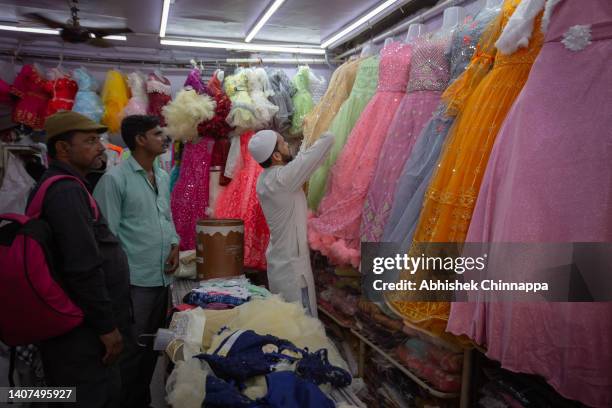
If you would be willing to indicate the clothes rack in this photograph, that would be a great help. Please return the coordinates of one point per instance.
(432, 12)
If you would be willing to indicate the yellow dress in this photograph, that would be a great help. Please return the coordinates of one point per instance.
(115, 96)
(320, 118)
(482, 100)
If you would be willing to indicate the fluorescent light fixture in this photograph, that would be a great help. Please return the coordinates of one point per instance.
(29, 30)
(164, 18)
(359, 22)
(116, 37)
(264, 19)
(244, 47)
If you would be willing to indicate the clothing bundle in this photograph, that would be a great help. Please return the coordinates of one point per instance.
(222, 293)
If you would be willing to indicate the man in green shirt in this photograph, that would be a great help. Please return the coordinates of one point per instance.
(135, 199)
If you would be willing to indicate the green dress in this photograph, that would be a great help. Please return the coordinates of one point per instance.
(302, 100)
(363, 90)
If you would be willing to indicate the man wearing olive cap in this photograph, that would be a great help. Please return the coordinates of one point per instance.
(283, 201)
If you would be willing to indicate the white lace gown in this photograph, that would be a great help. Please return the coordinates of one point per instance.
(260, 89)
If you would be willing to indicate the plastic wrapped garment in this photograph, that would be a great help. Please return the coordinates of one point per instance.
(139, 102)
(16, 186)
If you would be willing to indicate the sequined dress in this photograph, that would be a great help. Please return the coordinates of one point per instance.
(189, 197)
(548, 180)
(302, 100)
(335, 229)
(453, 190)
(239, 201)
(342, 124)
(429, 75)
(87, 102)
(31, 90)
(419, 167)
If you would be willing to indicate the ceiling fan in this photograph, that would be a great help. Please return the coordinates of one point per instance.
(73, 32)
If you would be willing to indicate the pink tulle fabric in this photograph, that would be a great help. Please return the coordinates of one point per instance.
(334, 231)
(189, 198)
(549, 180)
(239, 201)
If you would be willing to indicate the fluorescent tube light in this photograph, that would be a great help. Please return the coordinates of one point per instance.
(244, 47)
(116, 37)
(359, 22)
(264, 19)
(164, 18)
(29, 30)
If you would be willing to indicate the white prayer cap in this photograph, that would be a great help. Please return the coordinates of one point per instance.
(262, 145)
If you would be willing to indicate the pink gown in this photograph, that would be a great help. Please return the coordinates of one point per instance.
(549, 179)
(429, 76)
(239, 201)
(189, 198)
(335, 229)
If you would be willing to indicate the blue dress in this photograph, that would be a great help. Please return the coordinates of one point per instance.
(419, 168)
(87, 102)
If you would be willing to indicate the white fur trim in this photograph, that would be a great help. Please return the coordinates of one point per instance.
(577, 37)
(517, 32)
(548, 9)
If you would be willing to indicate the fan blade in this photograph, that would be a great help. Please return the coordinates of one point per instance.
(100, 42)
(103, 32)
(45, 20)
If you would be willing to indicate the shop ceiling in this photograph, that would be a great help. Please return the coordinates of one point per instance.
(302, 23)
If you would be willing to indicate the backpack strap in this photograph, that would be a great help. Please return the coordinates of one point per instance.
(35, 208)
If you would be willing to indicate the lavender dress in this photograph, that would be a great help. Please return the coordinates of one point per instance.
(418, 169)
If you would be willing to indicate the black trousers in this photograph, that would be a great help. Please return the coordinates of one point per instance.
(138, 363)
(74, 359)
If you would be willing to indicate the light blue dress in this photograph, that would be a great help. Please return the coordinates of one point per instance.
(87, 102)
(419, 168)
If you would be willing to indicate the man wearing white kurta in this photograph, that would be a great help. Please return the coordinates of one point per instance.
(283, 201)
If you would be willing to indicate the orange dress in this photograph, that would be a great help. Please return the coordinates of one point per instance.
(482, 100)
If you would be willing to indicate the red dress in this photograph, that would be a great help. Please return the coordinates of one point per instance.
(159, 92)
(239, 201)
(64, 91)
(31, 90)
(5, 93)
(217, 127)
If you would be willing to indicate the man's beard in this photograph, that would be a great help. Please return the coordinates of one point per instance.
(287, 158)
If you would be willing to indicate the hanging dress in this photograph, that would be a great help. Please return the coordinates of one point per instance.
(259, 90)
(242, 114)
(335, 230)
(63, 90)
(283, 93)
(189, 197)
(87, 102)
(317, 87)
(115, 96)
(454, 187)
(194, 81)
(419, 167)
(217, 127)
(549, 180)
(31, 90)
(239, 201)
(320, 118)
(159, 91)
(342, 124)
(139, 102)
(302, 100)
(429, 75)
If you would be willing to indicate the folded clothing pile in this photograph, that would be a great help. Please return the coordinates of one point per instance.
(224, 293)
(439, 367)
